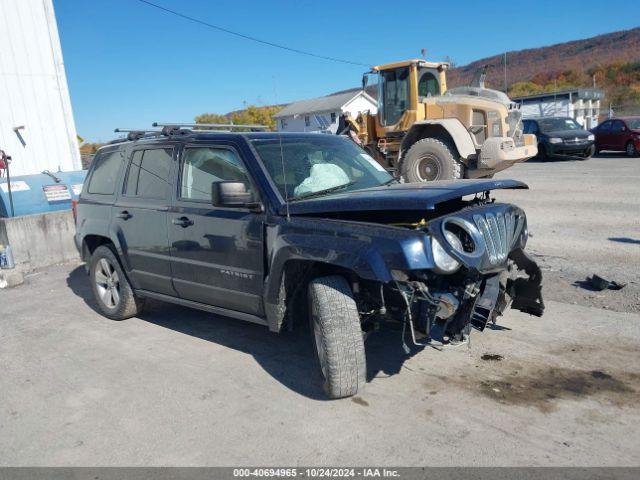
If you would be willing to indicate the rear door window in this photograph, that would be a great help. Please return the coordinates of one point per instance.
(148, 175)
(605, 127)
(105, 173)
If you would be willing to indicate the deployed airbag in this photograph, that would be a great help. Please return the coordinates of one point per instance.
(321, 177)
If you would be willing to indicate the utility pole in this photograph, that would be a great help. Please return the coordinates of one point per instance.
(505, 72)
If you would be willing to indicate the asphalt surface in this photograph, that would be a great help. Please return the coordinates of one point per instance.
(182, 387)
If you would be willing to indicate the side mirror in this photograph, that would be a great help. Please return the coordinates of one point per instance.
(232, 194)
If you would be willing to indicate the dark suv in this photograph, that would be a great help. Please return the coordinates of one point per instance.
(277, 228)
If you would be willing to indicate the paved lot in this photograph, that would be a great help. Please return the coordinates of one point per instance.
(181, 387)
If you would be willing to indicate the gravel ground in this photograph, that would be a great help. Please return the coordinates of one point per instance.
(182, 387)
(584, 218)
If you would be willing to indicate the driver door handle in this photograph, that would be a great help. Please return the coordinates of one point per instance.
(124, 215)
(183, 222)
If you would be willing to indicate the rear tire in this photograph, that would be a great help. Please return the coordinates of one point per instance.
(113, 293)
(337, 336)
(431, 159)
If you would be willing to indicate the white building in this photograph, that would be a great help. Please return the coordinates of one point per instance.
(322, 114)
(36, 121)
(583, 105)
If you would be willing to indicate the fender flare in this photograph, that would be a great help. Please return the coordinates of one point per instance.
(452, 126)
(356, 256)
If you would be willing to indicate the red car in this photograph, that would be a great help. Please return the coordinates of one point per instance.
(619, 134)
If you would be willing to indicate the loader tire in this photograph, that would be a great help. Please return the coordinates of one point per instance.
(337, 336)
(431, 159)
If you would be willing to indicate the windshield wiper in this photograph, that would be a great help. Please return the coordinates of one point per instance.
(321, 192)
(390, 181)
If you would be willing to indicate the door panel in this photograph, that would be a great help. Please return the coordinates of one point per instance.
(603, 134)
(218, 259)
(618, 135)
(217, 253)
(140, 218)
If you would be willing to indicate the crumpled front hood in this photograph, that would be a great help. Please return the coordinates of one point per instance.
(407, 196)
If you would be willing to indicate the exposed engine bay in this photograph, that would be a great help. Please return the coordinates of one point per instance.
(481, 269)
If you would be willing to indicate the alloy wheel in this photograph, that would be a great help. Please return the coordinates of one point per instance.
(631, 150)
(107, 283)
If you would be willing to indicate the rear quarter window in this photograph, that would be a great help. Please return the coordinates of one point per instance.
(105, 173)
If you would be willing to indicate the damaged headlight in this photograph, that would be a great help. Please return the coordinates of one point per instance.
(445, 263)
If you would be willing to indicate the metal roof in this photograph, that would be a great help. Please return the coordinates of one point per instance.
(320, 104)
(580, 93)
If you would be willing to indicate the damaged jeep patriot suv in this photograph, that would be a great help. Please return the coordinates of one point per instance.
(276, 229)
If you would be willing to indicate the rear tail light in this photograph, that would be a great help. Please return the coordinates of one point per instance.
(74, 210)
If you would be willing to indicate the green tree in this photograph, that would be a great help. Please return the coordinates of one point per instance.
(522, 89)
(212, 118)
(90, 148)
(254, 115)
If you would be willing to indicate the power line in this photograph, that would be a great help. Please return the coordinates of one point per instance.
(247, 37)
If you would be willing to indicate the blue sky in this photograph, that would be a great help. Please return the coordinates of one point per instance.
(129, 64)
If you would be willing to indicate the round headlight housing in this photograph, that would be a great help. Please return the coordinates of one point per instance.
(445, 263)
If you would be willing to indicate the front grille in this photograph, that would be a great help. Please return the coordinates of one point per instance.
(499, 232)
(575, 140)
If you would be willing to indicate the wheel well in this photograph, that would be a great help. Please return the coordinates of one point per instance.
(296, 275)
(91, 242)
(427, 131)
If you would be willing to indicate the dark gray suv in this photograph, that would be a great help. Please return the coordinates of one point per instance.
(275, 229)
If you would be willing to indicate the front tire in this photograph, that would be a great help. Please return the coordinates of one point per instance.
(337, 336)
(590, 152)
(113, 293)
(543, 156)
(431, 159)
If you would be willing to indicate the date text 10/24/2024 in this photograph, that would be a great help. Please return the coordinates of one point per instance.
(316, 472)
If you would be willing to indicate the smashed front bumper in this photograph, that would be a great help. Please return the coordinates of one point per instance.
(448, 314)
(494, 273)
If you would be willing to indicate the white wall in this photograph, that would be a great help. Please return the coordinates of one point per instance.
(33, 90)
(585, 112)
(353, 107)
(360, 104)
(297, 124)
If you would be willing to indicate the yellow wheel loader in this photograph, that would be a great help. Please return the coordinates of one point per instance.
(424, 132)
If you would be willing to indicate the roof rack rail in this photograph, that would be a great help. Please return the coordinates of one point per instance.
(230, 126)
(137, 133)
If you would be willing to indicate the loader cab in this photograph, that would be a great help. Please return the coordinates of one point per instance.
(402, 86)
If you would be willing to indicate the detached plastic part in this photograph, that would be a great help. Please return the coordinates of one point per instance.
(599, 283)
(526, 292)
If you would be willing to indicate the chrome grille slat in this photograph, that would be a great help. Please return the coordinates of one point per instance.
(499, 232)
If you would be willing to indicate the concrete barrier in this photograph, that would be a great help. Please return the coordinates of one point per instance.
(39, 240)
